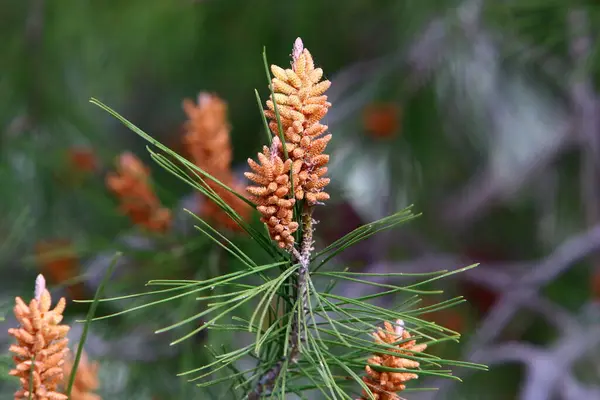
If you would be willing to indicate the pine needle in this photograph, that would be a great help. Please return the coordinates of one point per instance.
(88, 320)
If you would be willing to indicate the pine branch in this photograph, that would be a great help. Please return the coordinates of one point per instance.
(267, 380)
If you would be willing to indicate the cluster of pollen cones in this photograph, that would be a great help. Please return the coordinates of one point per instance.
(290, 170)
(131, 184)
(273, 203)
(41, 353)
(206, 141)
(208, 144)
(300, 103)
(384, 385)
(86, 379)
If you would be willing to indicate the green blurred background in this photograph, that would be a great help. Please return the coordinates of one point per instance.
(482, 113)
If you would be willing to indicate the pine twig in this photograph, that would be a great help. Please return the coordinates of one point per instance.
(303, 257)
(267, 380)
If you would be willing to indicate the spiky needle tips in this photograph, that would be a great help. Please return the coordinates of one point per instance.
(272, 175)
(131, 184)
(301, 103)
(384, 385)
(41, 345)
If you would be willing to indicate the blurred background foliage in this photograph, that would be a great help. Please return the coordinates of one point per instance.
(482, 113)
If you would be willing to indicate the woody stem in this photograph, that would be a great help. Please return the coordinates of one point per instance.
(302, 257)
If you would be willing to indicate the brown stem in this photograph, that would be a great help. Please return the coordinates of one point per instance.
(267, 380)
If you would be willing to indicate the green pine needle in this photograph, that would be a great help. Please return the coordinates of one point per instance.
(171, 167)
(363, 233)
(164, 148)
(264, 118)
(88, 320)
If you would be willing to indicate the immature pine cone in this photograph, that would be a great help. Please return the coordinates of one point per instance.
(384, 385)
(301, 104)
(41, 341)
(86, 379)
(138, 200)
(207, 141)
(273, 176)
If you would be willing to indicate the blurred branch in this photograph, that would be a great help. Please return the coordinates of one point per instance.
(485, 189)
(526, 286)
(508, 353)
(547, 370)
(571, 389)
(531, 54)
(498, 277)
(427, 52)
(517, 284)
(522, 292)
(422, 58)
(584, 102)
(35, 22)
(17, 126)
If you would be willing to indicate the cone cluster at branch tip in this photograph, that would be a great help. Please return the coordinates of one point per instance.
(41, 345)
(207, 141)
(272, 175)
(86, 379)
(301, 103)
(384, 385)
(131, 185)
